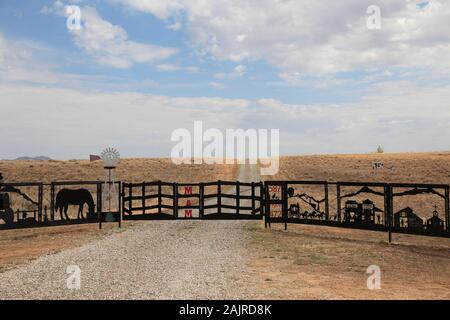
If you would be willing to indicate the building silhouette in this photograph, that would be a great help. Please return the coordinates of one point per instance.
(435, 224)
(407, 219)
(365, 212)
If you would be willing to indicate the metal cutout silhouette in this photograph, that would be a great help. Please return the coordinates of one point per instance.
(312, 203)
(6, 210)
(77, 197)
(305, 202)
(6, 213)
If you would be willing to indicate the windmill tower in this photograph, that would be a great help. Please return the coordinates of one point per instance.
(110, 192)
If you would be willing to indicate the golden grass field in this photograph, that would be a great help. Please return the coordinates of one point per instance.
(398, 167)
(129, 170)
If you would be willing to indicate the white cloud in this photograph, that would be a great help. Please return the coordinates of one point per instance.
(67, 123)
(26, 62)
(21, 61)
(109, 44)
(237, 72)
(313, 37)
(174, 67)
(175, 26)
(217, 85)
(160, 8)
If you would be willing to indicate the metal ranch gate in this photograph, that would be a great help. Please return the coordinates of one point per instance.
(212, 200)
(393, 207)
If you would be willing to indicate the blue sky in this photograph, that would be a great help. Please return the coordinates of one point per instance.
(313, 70)
(25, 20)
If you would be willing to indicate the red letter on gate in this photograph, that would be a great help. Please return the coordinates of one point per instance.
(188, 212)
(187, 190)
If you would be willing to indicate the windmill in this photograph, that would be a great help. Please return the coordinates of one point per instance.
(110, 157)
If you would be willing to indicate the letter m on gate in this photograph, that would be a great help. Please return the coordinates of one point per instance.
(187, 190)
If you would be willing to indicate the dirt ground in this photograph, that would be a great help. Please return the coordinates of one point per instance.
(19, 246)
(316, 262)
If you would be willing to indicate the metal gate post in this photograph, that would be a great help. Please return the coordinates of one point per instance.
(99, 204)
(130, 195)
(327, 204)
(253, 198)
(219, 197)
(265, 203)
(388, 210)
(175, 200)
(201, 200)
(52, 202)
(143, 198)
(338, 197)
(40, 201)
(121, 205)
(447, 209)
(284, 207)
(238, 200)
(262, 207)
(159, 197)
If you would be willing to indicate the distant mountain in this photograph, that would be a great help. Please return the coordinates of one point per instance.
(40, 158)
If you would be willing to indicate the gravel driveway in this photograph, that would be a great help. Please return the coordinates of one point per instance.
(182, 259)
(154, 260)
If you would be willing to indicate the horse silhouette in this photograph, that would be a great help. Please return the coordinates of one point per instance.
(78, 197)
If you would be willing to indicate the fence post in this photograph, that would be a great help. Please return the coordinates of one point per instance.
(99, 204)
(388, 209)
(159, 197)
(40, 201)
(267, 204)
(327, 205)
(201, 200)
(143, 198)
(52, 202)
(219, 197)
(262, 207)
(130, 195)
(238, 200)
(253, 198)
(338, 197)
(284, 204)
(121, 205)
(175, 200)
(447, 208)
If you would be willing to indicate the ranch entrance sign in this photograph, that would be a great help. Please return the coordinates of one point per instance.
(392, 207)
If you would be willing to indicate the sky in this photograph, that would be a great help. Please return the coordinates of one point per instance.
(136, 70)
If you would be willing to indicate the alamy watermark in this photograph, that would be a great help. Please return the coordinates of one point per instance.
(73, 282)
(374, 279)
(240, 146)
(374, 17)
(73, 14)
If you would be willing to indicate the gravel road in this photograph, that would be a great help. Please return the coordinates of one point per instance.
(182, 259)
